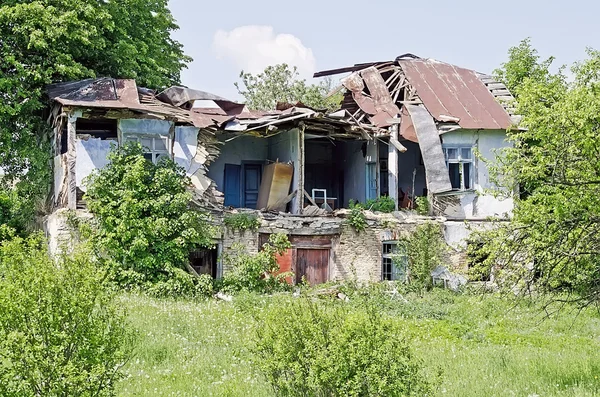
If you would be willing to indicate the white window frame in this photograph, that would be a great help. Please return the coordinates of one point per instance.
(387, 258)
(460, 160)
(152, 151)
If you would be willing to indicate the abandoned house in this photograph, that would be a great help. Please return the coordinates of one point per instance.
(406, 128)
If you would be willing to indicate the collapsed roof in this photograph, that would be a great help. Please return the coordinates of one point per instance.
(376, 97)
(455, 97)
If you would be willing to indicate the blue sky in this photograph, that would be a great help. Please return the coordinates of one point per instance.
(224, 37)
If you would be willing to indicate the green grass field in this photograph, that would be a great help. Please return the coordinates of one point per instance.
(482, 346)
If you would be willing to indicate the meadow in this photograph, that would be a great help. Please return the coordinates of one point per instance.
(472, 345)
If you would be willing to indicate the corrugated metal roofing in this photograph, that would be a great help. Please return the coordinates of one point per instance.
(448, 90)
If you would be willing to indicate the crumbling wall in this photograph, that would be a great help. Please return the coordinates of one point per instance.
(91, 153)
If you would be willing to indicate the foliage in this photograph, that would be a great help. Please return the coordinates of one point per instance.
(145, 227)
(305, 348)
(380, 204)
(483, 345)
(61, 333)
(524, 64)
(46, 41)
(422, 203)
(556, 162)
(356, 217)
(425, 249)
(256, 272)
(280, 84)
(242, 221)
(15, 215)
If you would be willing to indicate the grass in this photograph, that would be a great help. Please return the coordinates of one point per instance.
(483, 346)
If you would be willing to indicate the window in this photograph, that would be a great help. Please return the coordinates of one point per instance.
(394, 261)
(155, 146)
(460, 167)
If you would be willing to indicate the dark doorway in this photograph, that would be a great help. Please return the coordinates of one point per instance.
(205, 261)
(251, 182)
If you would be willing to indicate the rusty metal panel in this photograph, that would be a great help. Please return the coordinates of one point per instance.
(448, 90)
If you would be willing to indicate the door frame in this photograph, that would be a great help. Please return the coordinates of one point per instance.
(243, 164)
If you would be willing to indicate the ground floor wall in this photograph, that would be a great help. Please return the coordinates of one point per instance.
(352, 255)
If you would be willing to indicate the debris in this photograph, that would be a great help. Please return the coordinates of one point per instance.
(224, 297)
(441, 275)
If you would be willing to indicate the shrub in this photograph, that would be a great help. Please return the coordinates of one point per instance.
(61, 333)
(256, 272)
(380, 204)
(422, 203)
(144, 225)
(242, 221)
(425, 250)
(357, 218)
(316, 349)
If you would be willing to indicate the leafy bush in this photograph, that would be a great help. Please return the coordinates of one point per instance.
(15, 214)
(425, 250)
(357, 218)
(242, 221)
(317, 349)
(380, 204)
(422, 203)
(61, 333)
(144, 225)
(256, 272)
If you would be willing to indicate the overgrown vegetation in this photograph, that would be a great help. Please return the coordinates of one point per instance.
(555, 162)
(424, 250)
(144, 227)
(242, 221)
(61, 333)
(257, 272)
(422, 205)
(356, 217)
(281, 84)
(481, 345)
(306, 348)
(380, 204)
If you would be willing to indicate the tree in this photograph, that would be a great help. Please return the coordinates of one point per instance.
(555, 227)
(61, 331)
(280, 84)
(46, 41)
(523, 64)
(144, 225)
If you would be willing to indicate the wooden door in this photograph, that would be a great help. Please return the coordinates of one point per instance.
(232, 185)
(312, 264)
(252, 178)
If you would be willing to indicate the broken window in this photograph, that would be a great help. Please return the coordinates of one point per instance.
(155, 146)
(460, 167)
(97, 128)
(394, 261)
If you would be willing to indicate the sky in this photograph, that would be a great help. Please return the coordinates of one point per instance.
(225, 37)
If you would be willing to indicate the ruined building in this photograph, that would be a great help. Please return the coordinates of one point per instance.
(407, 128)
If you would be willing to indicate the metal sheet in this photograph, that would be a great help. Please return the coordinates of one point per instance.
(438, 180)
(447, 90)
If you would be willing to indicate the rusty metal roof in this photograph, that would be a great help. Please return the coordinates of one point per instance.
(448, 90)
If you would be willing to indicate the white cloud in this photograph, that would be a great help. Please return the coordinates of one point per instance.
(252, 48)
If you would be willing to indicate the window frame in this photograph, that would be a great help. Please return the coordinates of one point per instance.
(396, 274)
(153, 152)
(461, 161)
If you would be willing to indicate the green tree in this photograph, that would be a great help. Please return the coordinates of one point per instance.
(523, 64)
(61, 331)
(144, 224)
(554, 230)
(280, 84)
(45, 41)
